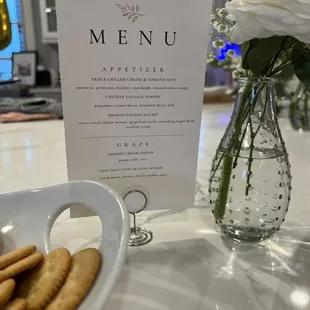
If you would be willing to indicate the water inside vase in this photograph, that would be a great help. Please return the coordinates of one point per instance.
(258, 194)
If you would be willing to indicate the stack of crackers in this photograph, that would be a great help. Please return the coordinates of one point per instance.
(58, 281)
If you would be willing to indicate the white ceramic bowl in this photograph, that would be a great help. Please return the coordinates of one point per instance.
(27, 218)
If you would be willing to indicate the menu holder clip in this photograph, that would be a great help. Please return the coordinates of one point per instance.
(138, 235)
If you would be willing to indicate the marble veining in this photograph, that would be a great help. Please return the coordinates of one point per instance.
(189, 265)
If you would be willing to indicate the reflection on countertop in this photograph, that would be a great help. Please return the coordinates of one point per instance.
(189, 265)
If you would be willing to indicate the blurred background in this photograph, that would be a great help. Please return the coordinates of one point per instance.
(29, 65)
(34, 28)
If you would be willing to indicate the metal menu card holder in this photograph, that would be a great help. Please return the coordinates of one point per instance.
(136, 200)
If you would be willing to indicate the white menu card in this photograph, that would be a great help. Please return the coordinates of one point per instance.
(132, 75)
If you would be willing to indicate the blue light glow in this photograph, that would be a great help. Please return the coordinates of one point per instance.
(223, 52)
(15, 45)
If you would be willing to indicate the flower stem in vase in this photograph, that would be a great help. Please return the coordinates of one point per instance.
(227, 159)
(230, 156)
(251, 167)
(220, 206)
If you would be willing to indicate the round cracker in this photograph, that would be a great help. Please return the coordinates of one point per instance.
(46, 279)
(26, 263)
(84, 267)
(16, 255)
(6, 291)
(44, 282)
(16, 304)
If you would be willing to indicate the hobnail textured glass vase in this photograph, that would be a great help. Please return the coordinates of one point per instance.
(299, 112)
(250, 182)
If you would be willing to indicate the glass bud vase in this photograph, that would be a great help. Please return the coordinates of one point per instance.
(299, 112)
(250, 182)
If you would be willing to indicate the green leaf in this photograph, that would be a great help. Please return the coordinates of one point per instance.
(290, 42)
(262, 52)
(301, 62)
(286, 73)
(245, 48)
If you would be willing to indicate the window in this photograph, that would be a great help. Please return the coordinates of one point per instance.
(18, 39)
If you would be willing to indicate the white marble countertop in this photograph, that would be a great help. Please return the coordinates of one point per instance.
(188, 266)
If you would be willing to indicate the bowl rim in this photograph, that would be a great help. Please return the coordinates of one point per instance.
(123, 248)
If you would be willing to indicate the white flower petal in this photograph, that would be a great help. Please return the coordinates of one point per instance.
(265, 18)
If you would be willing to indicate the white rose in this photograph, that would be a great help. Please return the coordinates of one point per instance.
(265, 18)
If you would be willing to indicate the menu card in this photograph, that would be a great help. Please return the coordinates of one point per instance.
(132, 76)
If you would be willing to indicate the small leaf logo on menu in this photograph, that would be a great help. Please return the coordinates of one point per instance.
(131, 12)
